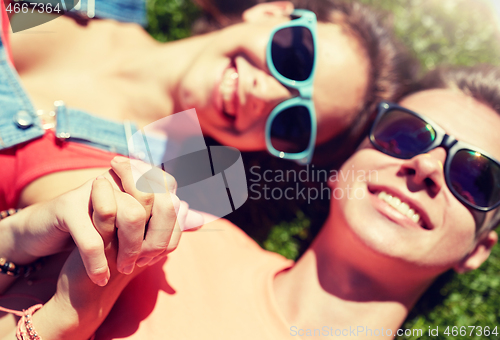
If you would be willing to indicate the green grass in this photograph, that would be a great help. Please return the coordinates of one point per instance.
(455, 32)
(285, 237)
(171, 19)
(471, 299)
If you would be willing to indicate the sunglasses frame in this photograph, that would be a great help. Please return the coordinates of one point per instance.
(307, 19)
(451, 145)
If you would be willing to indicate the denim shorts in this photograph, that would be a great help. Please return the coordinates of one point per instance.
(20, 122)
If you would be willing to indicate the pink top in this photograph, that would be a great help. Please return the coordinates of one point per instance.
(216, 285)
(26, 162)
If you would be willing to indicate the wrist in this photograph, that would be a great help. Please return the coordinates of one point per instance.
(11, 247)
(30, 234)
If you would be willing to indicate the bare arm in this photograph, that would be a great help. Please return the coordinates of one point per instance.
(79, 306)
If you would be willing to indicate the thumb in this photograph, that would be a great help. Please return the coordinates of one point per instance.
(194, 221)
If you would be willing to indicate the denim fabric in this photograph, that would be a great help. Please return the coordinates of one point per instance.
(78, 126)
(19, 122)
(121, 10)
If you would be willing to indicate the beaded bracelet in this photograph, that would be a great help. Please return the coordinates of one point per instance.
(7, 213)
(25, 329)
(15, 270)
(28, 324)
(10, 268)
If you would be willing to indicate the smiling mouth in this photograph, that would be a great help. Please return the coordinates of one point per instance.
(228, 90)
(402, 207)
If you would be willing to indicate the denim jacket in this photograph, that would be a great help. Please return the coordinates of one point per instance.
(19, 121)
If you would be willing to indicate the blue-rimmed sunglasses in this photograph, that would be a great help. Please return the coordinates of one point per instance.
(471, 174)
(291, 59)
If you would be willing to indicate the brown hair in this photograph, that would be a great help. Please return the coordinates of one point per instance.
(481, 82)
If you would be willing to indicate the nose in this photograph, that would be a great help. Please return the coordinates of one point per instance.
(264, 93)
(259, 91)
(426, 171)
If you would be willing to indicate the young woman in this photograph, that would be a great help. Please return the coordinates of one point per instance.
(426, 198)
(117, 72)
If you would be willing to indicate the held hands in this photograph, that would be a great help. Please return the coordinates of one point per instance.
(147, 225)
(126, 228)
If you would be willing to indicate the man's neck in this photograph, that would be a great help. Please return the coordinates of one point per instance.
(324, 291)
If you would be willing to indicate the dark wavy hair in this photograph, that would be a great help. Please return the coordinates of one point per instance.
(391, 73)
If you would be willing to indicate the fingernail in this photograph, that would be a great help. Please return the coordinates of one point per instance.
(128, 269)
(102, 282)
(120, 159)
(100, 177)
(143, 261)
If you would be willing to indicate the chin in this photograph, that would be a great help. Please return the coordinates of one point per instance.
(380, 236)
(192, 97)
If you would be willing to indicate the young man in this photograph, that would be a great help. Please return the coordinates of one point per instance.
(430, 205)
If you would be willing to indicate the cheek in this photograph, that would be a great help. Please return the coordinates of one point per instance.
(248, 141)
(457, 236)
(460, 227)
(348, 186)
(190, 90)
(360, 165)
(198, 82)
(252, 140)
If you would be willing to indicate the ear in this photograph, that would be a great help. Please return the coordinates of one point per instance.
(268, 9)
(479, 254)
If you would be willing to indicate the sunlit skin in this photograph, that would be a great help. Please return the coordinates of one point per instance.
(368, 261)
(339, 84)
(117, 71)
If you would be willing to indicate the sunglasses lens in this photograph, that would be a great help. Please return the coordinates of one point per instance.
(292, 52)
(402, 134)
(291, 130)
(475, 178)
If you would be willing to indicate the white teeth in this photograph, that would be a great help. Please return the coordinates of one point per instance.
(402, 207)
(413, 215)
(395, 202)
(228, 88)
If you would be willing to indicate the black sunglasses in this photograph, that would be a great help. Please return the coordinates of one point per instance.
(472, 175)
